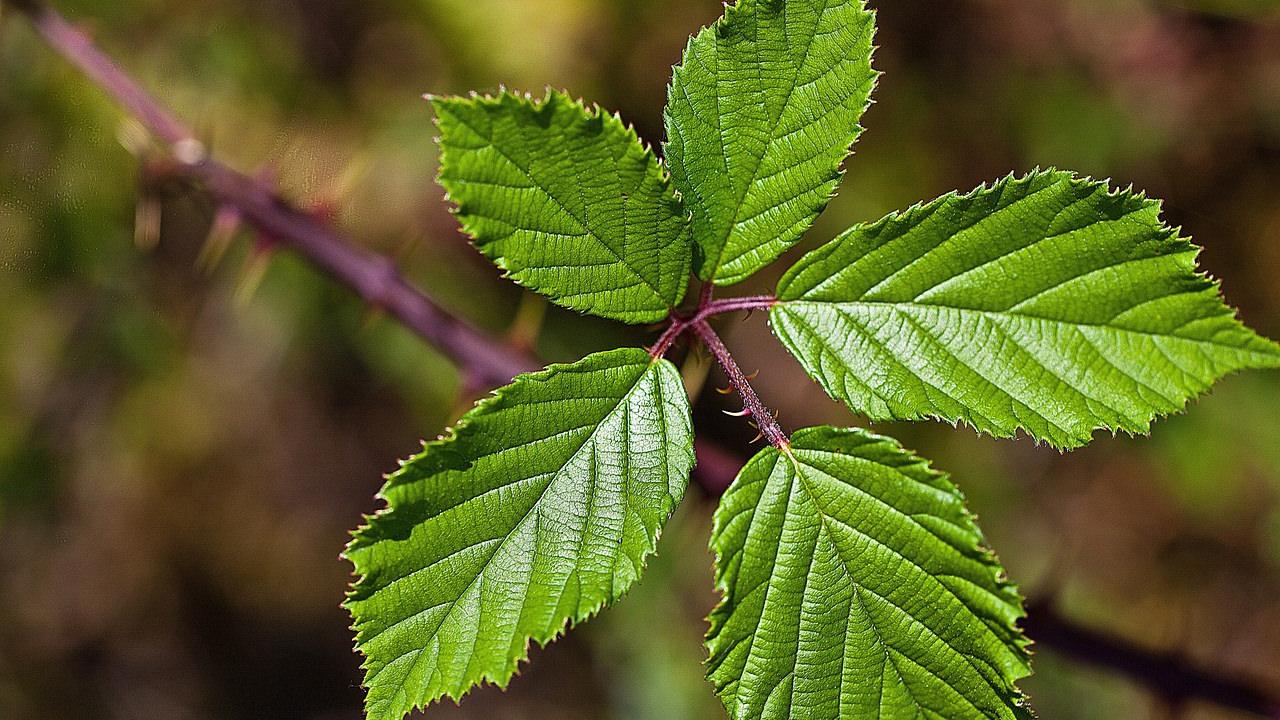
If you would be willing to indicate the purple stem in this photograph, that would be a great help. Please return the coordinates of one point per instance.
(751, 404)
(372, 277)
(707, 308)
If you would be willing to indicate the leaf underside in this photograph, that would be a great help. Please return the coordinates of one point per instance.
(760, 114)
(856, 585)
(1048, 304)
(568, 201)
(540, 508)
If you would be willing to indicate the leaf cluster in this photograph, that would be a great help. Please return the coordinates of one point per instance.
(854, 582)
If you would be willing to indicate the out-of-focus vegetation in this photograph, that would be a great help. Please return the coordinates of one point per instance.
(184, 443)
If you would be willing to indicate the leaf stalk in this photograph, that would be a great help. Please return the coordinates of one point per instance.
(751, 405)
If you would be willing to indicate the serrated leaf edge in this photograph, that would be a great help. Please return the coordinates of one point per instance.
(444, 439)
(1022, 643)
(838, 175)
(591, 111)
(1182, 246)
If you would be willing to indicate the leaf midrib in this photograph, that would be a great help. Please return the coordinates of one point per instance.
(879, 305)
(774, 122)
(826, 519)
(1055, 423)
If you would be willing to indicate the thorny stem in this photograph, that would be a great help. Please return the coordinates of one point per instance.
(729, 305)
(751, 404)
(707, 308)
(704, 297)
(668, 337)
(752, 408)
(78, 48)
(373, 277)
(487, 361)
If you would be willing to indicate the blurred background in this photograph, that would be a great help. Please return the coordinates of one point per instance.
(189, 428)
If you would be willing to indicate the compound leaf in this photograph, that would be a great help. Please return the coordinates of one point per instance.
(538, 509)
(568, 201)
(1048, 303)
(760, 114)
(856, 585)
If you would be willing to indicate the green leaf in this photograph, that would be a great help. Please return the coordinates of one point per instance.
(856, 586)
(1048, 303)
(760, 114)
(538, 509)
(568, 201)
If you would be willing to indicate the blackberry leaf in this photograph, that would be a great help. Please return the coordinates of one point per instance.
(856, 586)
(1049, 304)
(568, 201)
(537, 510)
(759, 116)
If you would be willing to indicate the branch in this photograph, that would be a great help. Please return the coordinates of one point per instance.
(708, 308)
(79, 49)
(1173, 678)
(751, 405)
(485, 360)
(736, 304)
(372, 277)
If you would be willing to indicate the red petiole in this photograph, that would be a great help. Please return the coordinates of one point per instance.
(707, 308)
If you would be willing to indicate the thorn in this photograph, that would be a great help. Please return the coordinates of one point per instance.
(325, 210)
(135, 138)
(264, 242)
(255, 270)
(759, 436)
(146, 222)
(754, 375)
(327, 207)
(226, 221)
(725, 390)
(528, 323)
(750, 312)
(744, 412)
